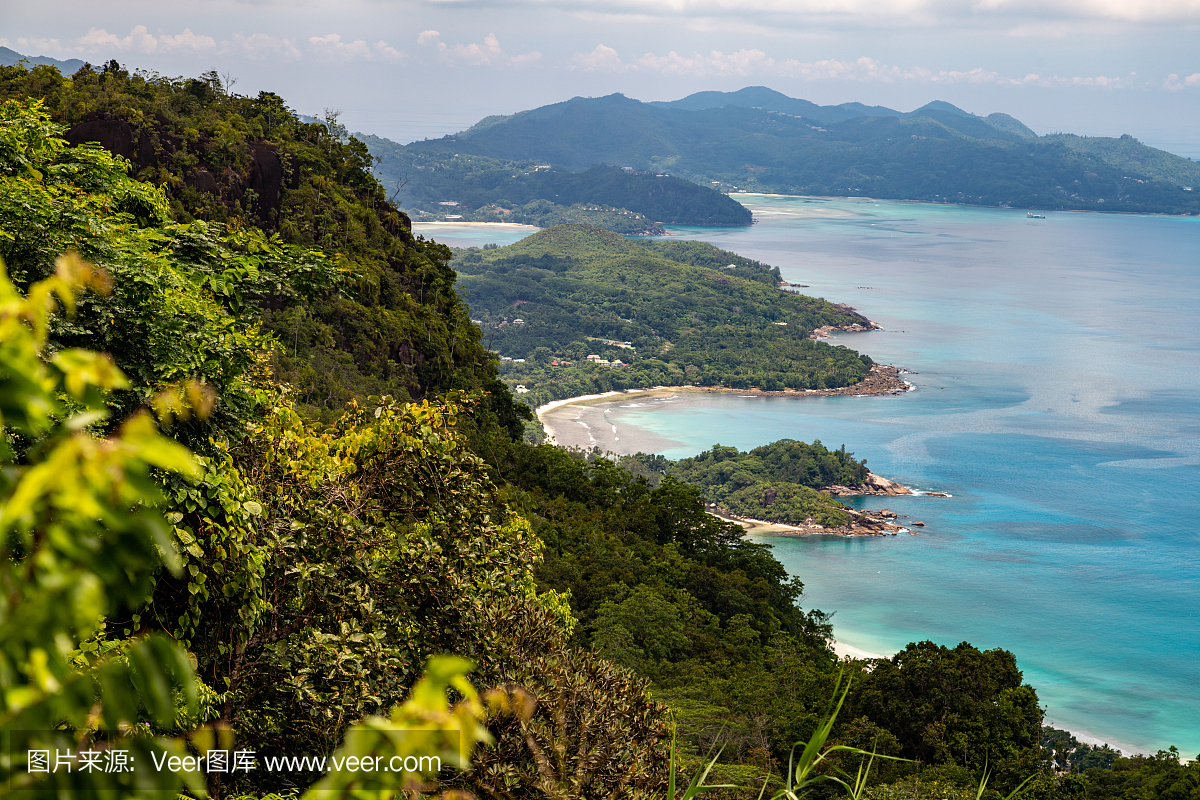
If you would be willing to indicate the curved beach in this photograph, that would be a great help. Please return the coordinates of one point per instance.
(883, 379)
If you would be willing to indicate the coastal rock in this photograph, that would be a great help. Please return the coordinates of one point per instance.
(862, 523)
(825, 331)
(873, 485)
(881, 484)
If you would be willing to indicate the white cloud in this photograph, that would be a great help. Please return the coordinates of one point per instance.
(260, 46)
(386, 52)
(489, 53)
(1172, 83)
(603, 58)
(332, 47)
(745, 63)
(139, 40)
(473, 53)
(187, 41)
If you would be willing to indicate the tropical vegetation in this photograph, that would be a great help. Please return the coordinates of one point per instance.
(209, 547)
(503, 189)
(780, 481)
(667, 313)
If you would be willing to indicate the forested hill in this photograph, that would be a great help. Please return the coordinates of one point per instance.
(489, 188)
(937, 153)
(668, 313)
(780, 480)
(375, 315)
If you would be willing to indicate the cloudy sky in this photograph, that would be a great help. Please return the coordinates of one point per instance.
(408, 69)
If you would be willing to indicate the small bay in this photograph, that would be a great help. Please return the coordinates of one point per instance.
(1056, 399)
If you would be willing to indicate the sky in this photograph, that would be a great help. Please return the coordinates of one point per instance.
(411, 69)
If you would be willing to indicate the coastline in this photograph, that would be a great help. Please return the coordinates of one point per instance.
(843, 648)
(1180, 215)
(883, 379)
(845, 651)
(883, 522)
(491, 224)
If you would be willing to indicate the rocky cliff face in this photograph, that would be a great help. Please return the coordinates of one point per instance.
(256, 165)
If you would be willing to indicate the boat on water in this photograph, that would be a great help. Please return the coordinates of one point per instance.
(1032, 215)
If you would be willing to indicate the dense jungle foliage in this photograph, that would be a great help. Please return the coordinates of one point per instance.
(937, 153)
(381, 317)
(421, 182)
(778, 481)
(194, 551)
(672, 313)
(313, 569)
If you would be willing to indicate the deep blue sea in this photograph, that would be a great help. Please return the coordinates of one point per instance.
(1057, 399)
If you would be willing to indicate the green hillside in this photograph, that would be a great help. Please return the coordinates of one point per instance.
(937, 153)
(780, 480)
(1133, 158)
(383, 317)
(489, 189)
(709, 318)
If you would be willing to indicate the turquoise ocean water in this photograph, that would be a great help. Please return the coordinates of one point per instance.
(1057, 399)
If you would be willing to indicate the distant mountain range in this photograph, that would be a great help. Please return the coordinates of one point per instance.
(771, 100)
(757, 139)
(10, 58)
(760, 140)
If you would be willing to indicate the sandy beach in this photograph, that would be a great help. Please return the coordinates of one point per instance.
(844, 650)
(586, 399)
(479, 224)
(883, 379)
(813, 212)
(758, 525)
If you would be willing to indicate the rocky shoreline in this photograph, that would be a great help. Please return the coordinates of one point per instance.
(825, 331)
(873, 485)
(862, 523)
